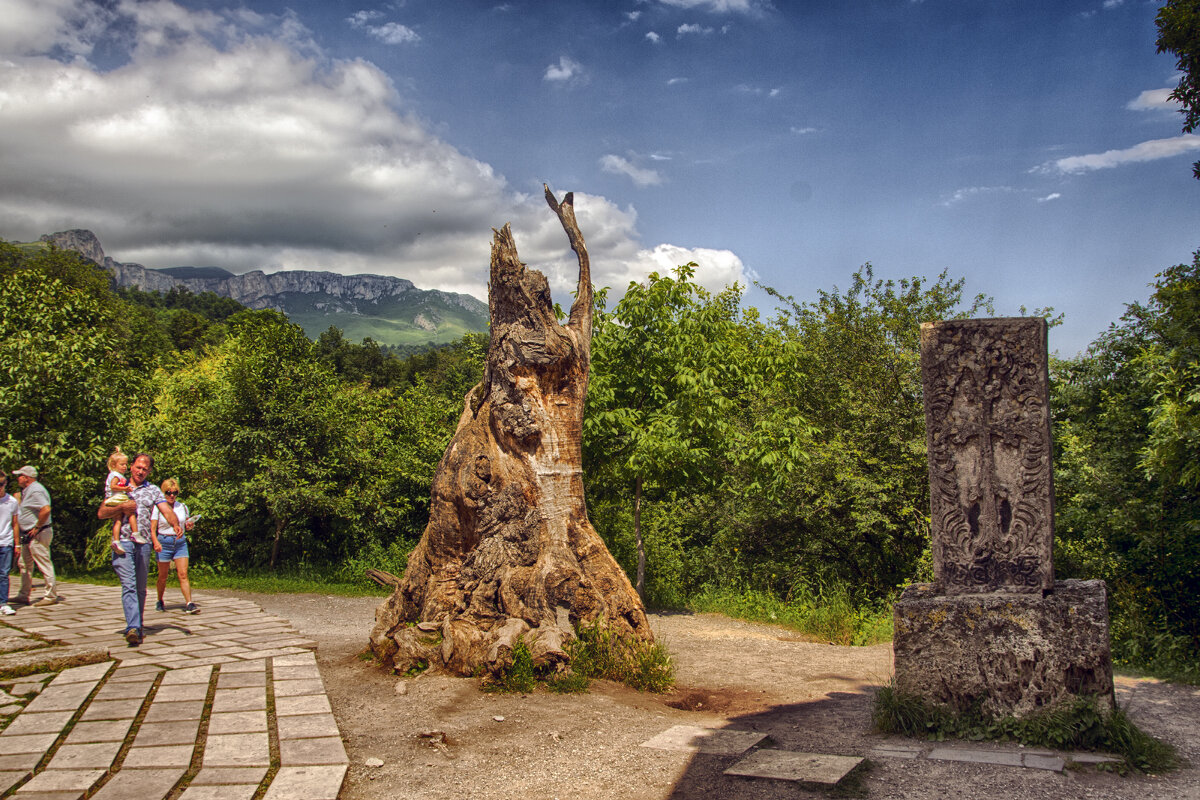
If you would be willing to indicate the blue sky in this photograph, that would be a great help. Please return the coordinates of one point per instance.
(1025, 146)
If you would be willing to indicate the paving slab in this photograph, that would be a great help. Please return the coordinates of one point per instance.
(9, 779)
(227, 792)
(181, 691)
(241, 680)
(1001, 757)
(113, 709)
(895, 751)
(238, 722)
(1037, 761)
(237, 750)
(229, 775)
(306, 726)
(102, 731)
(61, 780)
(326, 750)
(251, 699)
(172, 712)
(139, 784)
(124, 690)
(304, 704)
(26, 723)
(32, 743)
(307, 783)
(188, 675)
(175, 755)
(160, 733)
(20, 762)
(99, 755)
(715, 741)
(1093, 758)
(785, 765)
(245, 666)
(300, 687)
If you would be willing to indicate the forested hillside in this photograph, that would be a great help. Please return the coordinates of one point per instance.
(727, 455)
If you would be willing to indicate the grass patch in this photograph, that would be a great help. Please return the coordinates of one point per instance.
(595, 652)
(828, 615)
(516, 678)
(299, 581)
(1082, 724)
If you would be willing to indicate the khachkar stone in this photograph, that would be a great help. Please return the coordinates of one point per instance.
(995, 632)
(987, 423)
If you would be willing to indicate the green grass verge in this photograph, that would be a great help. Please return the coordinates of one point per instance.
(292, 582)
(826, 616)
(1082, 724)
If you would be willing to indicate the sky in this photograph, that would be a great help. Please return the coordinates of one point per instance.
(1027, 147)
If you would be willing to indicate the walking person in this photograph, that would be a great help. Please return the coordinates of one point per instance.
(171, 548)
(131, 554)
(8, 532)
(36, 533)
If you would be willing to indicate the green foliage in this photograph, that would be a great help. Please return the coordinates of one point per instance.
(1084, 723)
(825, 614)
(1127, 434)
(517, 677)
(598, 651)
(1179, 34)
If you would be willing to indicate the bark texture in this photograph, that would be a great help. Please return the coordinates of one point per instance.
(509, 551)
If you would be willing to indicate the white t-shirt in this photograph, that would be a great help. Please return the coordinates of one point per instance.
(108, 482)
(181, 513)
(8, 507)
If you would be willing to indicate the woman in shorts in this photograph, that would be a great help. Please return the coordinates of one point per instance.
(172, 548)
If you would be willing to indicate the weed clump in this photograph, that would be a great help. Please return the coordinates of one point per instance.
(1081, 724)
(595, 652)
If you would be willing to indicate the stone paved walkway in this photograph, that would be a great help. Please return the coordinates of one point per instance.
(214, 706)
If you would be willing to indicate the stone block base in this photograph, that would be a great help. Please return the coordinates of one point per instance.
(1007, 653)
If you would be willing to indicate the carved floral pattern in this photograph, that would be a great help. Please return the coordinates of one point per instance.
(988, 433)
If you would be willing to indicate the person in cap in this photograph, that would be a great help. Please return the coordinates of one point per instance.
(33, 514)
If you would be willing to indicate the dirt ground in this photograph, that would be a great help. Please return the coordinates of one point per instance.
(440, 737)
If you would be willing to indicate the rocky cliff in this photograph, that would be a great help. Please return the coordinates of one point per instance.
(390, 310)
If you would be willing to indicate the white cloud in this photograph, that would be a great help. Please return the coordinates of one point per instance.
(1049, 197)
(692, 28)
(633, 16)
(1145, 151)
(743, 88)
(230, 139)
(751, 7)
(676, 81)
(653, 37)
(563, 71)
(971, 192)
(803, 131)
(622, 166)
(1110, 4)
(1154, 100)
(388, 32)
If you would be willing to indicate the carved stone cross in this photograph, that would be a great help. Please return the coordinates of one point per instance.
(987, 423)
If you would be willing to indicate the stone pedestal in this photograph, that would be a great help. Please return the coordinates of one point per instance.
(1010, 653)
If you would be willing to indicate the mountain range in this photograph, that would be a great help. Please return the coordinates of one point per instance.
(392, 311)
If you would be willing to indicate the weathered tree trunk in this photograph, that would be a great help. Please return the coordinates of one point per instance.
(509, 551)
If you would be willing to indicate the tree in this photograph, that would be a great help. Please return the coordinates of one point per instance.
(1127, 433)
(67, 384)
(660, 410)
(509, 553)
(1179, 33)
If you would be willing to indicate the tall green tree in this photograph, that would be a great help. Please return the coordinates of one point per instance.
(1178, 24)
(1128, 434)
(660, 410)
(68, 382)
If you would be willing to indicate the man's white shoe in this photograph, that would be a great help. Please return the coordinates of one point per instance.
(7, 610)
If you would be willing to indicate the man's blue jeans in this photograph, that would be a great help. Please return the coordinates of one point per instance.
(131, 570)
(6, 558)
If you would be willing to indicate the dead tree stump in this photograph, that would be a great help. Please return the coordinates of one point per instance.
(509, 551)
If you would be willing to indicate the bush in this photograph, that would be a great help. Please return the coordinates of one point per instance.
(827, 615)
(1084, 723)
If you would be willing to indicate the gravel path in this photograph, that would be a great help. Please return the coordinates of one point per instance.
(440, 737)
